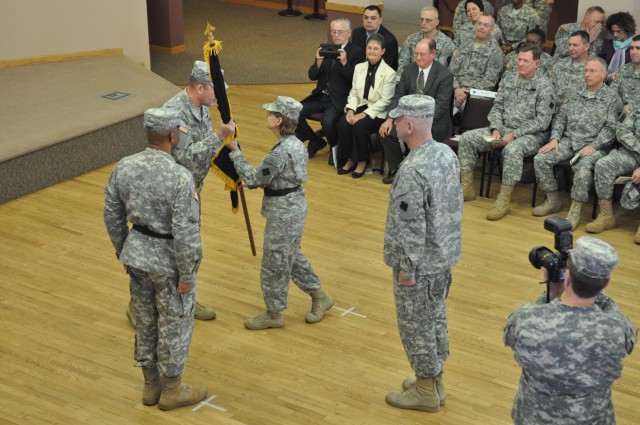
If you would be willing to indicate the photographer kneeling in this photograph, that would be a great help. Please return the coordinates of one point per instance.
(571, 348)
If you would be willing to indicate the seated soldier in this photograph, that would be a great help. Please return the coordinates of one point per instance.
(567, 74)
(592, 23)
(626, 81)
(584, 128)
(536, 37)
(515, 20)
(619, 161)
(465, 33)
(519, 122)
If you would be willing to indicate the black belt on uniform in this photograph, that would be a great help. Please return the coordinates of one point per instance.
(280, 192)
(146, 231)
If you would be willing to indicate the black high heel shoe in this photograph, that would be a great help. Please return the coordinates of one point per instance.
(357, 175)
(342, 171)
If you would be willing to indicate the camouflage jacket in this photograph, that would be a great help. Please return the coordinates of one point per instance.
(515, 23)
(570, 357)
(588, 118)
(196, 151)
(628, 134)
(562, 40)
(285, 167)
(567, 77)
(423, 234)
(626, 81)
(511, 63)
(477, 68)
(523, 106)
(149, 189)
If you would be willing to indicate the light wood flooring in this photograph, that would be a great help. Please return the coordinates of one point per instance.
(66, 346)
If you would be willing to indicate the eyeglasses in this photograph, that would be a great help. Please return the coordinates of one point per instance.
(338, 32)
(485, 25)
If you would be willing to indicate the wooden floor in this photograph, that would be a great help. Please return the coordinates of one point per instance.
(66, 346)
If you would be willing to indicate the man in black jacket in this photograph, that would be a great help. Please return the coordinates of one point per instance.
(372, 24)
(334, 78)
(423, 76)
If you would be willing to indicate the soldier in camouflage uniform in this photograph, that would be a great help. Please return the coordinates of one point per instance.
(196, 151)
(536, 37)
(476, 65)
(281, 174)
(626, 81)
(460, 15)
(428, 29)
(620, 161)
(515, 20)
(586, 126)
(571, 349)
(519, 119)
(466, 33)
(567, 74)
(592, 24)
(631, 197)
(422, 242)
(161, 254)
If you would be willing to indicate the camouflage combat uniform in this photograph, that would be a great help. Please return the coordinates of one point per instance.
(626, 81)
(522, 107)
(460, 15)
(284, 168)
(151, 190)
(444, 50)
(587, 119)
(619, 161)
(515, 23)
(423, 240)
(565, 382)
(562, 40)
(196, 151)
(567, 77)
(544, 12)
(467, 33)
(477, 67)
(511, 63)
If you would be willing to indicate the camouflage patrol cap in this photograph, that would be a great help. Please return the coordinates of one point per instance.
(161, 119)
(594, 258)
(630, 196)
(286, 106)
(200, 72)
(414, 105)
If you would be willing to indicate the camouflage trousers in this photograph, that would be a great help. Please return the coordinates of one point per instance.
(582, 170)
(422, 321)
(282, 261)
(619, 161)
(513, 154)
(164, 321)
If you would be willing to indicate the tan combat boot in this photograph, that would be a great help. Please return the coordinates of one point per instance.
(468, 189)
(131, 315)
(410, 382)
(636, 239)
(550, 205)
(321, 302)
(501, 207)
(605, 219)
(204, 313)
(152, 386)
(268, 319)
(422, 396)
(177, 394)
(574, 214)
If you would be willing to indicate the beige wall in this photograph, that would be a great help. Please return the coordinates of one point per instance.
(31, 28)
(631, 6)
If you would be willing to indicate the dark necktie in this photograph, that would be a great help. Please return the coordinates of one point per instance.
(420, 83)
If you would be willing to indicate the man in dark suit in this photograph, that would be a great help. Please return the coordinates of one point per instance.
(424, 76)
(329, 97)
(372, 24)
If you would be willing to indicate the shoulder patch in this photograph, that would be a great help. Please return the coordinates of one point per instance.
(404, 206)
(266, 171)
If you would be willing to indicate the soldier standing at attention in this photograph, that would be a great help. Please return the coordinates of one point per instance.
(422, 242)
(585, 125)
(196, 151)
(571, 349)
(161, 254)
(281, 174)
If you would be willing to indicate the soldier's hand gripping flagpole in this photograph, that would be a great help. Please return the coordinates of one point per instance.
(221, 163)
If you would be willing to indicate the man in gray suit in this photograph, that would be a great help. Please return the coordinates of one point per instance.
(424, 76)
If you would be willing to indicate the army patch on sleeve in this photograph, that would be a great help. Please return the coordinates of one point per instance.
(266, 171)
(551, 105)
(404, 206)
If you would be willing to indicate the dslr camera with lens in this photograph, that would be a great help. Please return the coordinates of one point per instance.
(554, 262)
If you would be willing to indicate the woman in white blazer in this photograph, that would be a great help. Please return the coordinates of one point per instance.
(373, 86)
